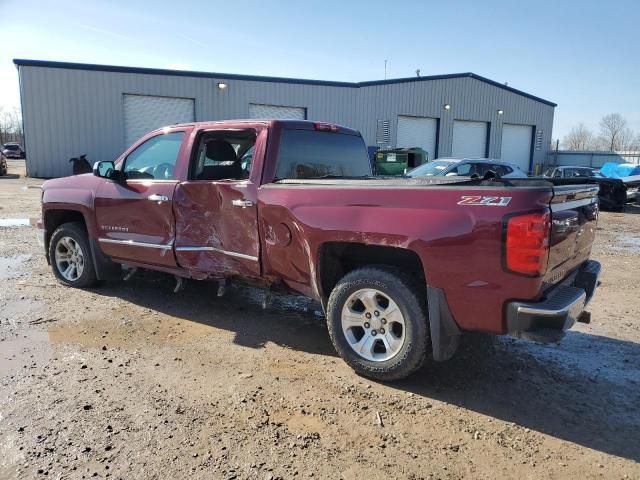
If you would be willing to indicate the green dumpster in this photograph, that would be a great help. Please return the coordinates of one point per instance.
(397, 161)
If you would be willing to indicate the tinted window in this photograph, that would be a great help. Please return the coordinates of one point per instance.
(577, 172)
(501, 169)
(155, 159)
(314, 154)
(584, 172)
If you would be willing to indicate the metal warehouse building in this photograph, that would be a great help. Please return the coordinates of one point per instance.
(70, 109)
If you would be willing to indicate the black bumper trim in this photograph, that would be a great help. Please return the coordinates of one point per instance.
(549, 319)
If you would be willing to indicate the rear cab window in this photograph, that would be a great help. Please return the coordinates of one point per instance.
(309, 154)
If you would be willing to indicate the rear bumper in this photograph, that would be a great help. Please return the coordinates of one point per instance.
(549, 319)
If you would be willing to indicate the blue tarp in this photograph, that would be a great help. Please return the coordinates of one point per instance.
(619, 170)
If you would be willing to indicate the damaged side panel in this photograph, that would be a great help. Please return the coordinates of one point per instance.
(214, 234)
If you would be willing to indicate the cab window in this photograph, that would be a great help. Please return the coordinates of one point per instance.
(501, 170)
(464, 169)
(224, 155)
(154, 159)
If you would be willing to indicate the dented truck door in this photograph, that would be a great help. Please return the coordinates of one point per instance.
(217, 219)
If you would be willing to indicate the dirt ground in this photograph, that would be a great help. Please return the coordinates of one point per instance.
(130, 380)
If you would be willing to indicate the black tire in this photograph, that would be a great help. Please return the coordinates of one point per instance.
(77, 232)
(410, 297)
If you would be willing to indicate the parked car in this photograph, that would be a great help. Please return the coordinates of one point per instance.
(613, 193)
(467, 167)
(402, 266)
(13, 150)
(3, 165)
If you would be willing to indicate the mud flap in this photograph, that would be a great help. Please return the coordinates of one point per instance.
(106, 269)
(445, 334)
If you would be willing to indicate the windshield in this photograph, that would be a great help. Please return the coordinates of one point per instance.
(436, 167)
(11, 147)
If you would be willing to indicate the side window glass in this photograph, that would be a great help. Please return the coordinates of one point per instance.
(463, 169)
(246, 160)
(557, 174)
(155, 159)
(499, 169)
(483, 168)
(224, 155)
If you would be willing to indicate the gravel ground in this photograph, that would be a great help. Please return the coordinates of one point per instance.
(132, 381)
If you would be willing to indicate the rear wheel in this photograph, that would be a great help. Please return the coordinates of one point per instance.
(377, 322)
(70, 256)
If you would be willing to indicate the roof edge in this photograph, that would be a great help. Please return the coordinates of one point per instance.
(300, 81)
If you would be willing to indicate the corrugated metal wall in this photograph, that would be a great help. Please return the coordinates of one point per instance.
(67, 112)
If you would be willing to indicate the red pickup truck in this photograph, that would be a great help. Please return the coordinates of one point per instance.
(401, 266)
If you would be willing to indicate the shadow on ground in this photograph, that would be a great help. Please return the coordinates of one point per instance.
(585, 390)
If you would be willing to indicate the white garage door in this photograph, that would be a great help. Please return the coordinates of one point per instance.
(418, 132)
(144, 113)
(516, 144)
(257, 110)
(469, 139)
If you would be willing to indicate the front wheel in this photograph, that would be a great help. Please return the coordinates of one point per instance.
(377, 321)
(70, 256)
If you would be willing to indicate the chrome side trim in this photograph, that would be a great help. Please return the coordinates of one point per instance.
(217, 250)
(570, 205)
(136, 244)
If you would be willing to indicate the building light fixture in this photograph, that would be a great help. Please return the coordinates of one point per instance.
(500, 112)
(447, 106)
(222, 86)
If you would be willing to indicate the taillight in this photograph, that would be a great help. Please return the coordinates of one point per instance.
(326, 127)
(527, 243)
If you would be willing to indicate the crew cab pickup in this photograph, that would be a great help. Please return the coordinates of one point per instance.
(402, 266)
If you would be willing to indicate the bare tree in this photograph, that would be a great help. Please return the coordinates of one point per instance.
(614, 132)
(579, 138)
(10, 125)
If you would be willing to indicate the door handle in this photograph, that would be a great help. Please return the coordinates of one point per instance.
(158, 198)
(242, 203)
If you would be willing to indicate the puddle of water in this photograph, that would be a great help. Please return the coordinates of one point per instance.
(11, 267)
(17, 222)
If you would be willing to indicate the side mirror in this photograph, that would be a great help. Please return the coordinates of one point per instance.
(107, 169)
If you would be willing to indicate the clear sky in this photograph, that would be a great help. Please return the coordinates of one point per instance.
(583, 55)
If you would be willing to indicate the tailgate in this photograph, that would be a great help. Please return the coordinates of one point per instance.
(574, 210)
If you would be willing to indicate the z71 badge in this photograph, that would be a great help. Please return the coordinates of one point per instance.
(486, 201)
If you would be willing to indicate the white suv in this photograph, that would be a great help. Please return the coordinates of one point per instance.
(466, 167)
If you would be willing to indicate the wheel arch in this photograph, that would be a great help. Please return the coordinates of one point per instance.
(336, 259)
(54, 217)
